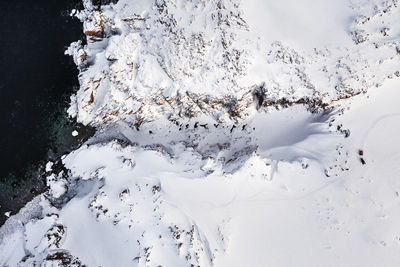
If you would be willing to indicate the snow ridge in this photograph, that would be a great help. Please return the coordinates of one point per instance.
(186, 58)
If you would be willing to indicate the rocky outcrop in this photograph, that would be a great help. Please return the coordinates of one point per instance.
(169, 59)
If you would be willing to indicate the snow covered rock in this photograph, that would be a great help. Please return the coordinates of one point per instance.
(228, 135)
(146, 59)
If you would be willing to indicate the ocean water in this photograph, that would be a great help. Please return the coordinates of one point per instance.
(36, 81)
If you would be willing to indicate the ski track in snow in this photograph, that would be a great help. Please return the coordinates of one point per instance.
(375, 124)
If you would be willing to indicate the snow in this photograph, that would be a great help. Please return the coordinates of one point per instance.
(286, 208)
(13, 251)
(159, 59)
(49, 166)
(228, 135)
(350, 221)
(12, 234)
(75, 133)
(300, 24)
(57, 189)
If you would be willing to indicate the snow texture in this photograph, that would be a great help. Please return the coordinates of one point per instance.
(230, 133)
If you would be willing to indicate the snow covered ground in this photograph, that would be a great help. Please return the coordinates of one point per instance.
(253, 133)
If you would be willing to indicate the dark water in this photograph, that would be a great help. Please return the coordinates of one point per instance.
(36, 81)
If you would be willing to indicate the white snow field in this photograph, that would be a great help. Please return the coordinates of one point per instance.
(229, 133)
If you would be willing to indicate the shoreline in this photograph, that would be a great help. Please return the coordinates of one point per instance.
(39, 128)
(16, 196)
